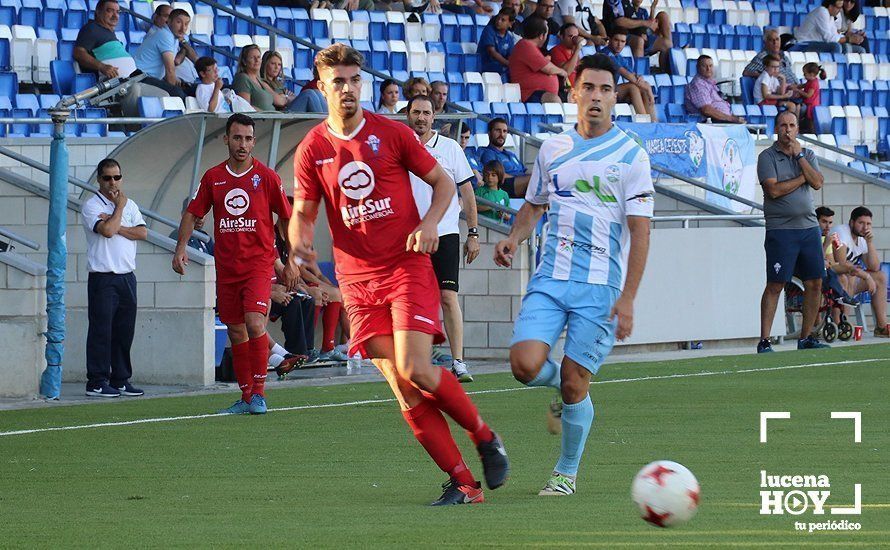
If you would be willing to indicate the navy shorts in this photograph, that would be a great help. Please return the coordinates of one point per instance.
(794, 252)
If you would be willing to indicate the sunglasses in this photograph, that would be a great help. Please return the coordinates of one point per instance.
(109, 178)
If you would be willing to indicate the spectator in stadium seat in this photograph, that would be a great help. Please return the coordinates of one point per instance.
(439, 98)
(517, 177)
(416, 85)
(113, 224)
(636, 90)
(850, 13)
(157, 55)
(197, 244)
(566, 54)
(493, 177)
(789, 174)
(819, 31)
(858, 252)
(580, 13)
(537, 76)
(272, 75)
(703, 98)
(310, 99)
(211, 95)
(295, 309)
(836, 274)
(544, 11)
(97, 50)
(770, 87)
(647, 32)
(248, 83)
(811, 95)
(519, 15)
(772, 45)
(389, 97)
(159, 19)
(496, 43)
(471, 157)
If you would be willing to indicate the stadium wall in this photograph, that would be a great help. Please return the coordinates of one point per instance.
(22, 323)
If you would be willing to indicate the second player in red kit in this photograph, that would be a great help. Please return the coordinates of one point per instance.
(244, 195)
(358, 163)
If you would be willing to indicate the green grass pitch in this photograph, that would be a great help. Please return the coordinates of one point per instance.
(353, 476)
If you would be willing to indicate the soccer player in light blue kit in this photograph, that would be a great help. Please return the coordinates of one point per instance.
(597, 183)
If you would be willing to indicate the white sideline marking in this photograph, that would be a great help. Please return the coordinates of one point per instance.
(391, 400)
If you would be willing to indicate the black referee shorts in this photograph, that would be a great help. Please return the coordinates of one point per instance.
(446, 261)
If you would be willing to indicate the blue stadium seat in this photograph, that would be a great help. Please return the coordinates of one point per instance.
(9, 84)
(519, 116)
(302, 24)
(4, 55)
(20, 129)
(450, 33)
(822, 120)
(854, 96)
(536, 116)
(150, 107)
(82, 81)
(466, 29)
(28, 102)
(7, 16)
(454, 57)
(4, 113)
(245, 27)
(747, 90)
(48, 101)
(753, 114)
(224, 25)
(75, 19)
(93, 129)
(882, 93)
(377, 26)
(52, 19)
(663, 83)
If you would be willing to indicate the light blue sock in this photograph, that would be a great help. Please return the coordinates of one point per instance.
(549, 375)
(576, 421)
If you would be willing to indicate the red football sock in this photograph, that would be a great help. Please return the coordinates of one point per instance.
(451, 399)
(259, 361)
(241, 364)
(330, 320)
(431, 430)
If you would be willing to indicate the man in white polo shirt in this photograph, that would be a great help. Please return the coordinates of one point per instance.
(113, 224)
(446, 260)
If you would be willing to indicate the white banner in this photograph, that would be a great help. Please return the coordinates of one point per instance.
(731, 164)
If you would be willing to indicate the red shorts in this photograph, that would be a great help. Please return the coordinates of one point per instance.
(405, 299)
(233, 300)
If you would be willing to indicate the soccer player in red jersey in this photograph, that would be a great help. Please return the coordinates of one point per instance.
(244, 193)
(359, 163)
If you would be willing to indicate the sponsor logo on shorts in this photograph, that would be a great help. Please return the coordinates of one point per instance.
(424, 319)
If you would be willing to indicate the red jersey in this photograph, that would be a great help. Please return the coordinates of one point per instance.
(244, 231)
(815, 100)
(368, 198)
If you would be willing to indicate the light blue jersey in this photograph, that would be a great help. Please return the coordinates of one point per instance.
(592, 185)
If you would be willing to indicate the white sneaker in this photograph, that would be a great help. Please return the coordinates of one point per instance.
(459, 369)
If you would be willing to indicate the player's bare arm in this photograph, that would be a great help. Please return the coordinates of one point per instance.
(180, 255)
(636, 264)
(425, 239)
(300, 232)
(526, 220)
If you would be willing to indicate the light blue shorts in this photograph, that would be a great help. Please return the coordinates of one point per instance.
(550, 304)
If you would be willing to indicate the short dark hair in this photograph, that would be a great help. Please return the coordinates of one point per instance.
(770, 58)
(701, 59)
(826, 3)
(106, 163)
(239, 118)
(497, 120)
(496, 167)
(162, 6)
(509, 12)
(824, 212)
(418, 98)
(534, 27)
(597, 62)
(178, 13)
(565, 27)
(204, 63)
(102, 3)
(859, 212)
(780, 114)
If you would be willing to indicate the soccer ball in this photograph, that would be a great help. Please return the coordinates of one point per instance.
(666, 493)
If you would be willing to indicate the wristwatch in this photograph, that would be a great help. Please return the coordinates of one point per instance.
(800, 155)
(473, 232)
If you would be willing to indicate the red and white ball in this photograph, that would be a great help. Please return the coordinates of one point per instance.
(666, 493)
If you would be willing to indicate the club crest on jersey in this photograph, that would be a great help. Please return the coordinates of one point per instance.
(374, 143)
(255, 180)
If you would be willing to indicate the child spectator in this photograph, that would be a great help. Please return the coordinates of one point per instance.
(210, 93)
(770, 87)
(496, 43)
(492, 179)
(812, 94)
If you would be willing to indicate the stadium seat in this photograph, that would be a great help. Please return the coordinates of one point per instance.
(359, 28)
(747, 84)
(151, 107)
(83, 81)
(27, 102)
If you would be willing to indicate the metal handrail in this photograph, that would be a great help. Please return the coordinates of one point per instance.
(844, 152)
(18, 239)
(707, 217)
(151, 214)
(84, 120)
(707, 187)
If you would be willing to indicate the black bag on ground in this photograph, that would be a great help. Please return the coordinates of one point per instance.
(225, 372)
